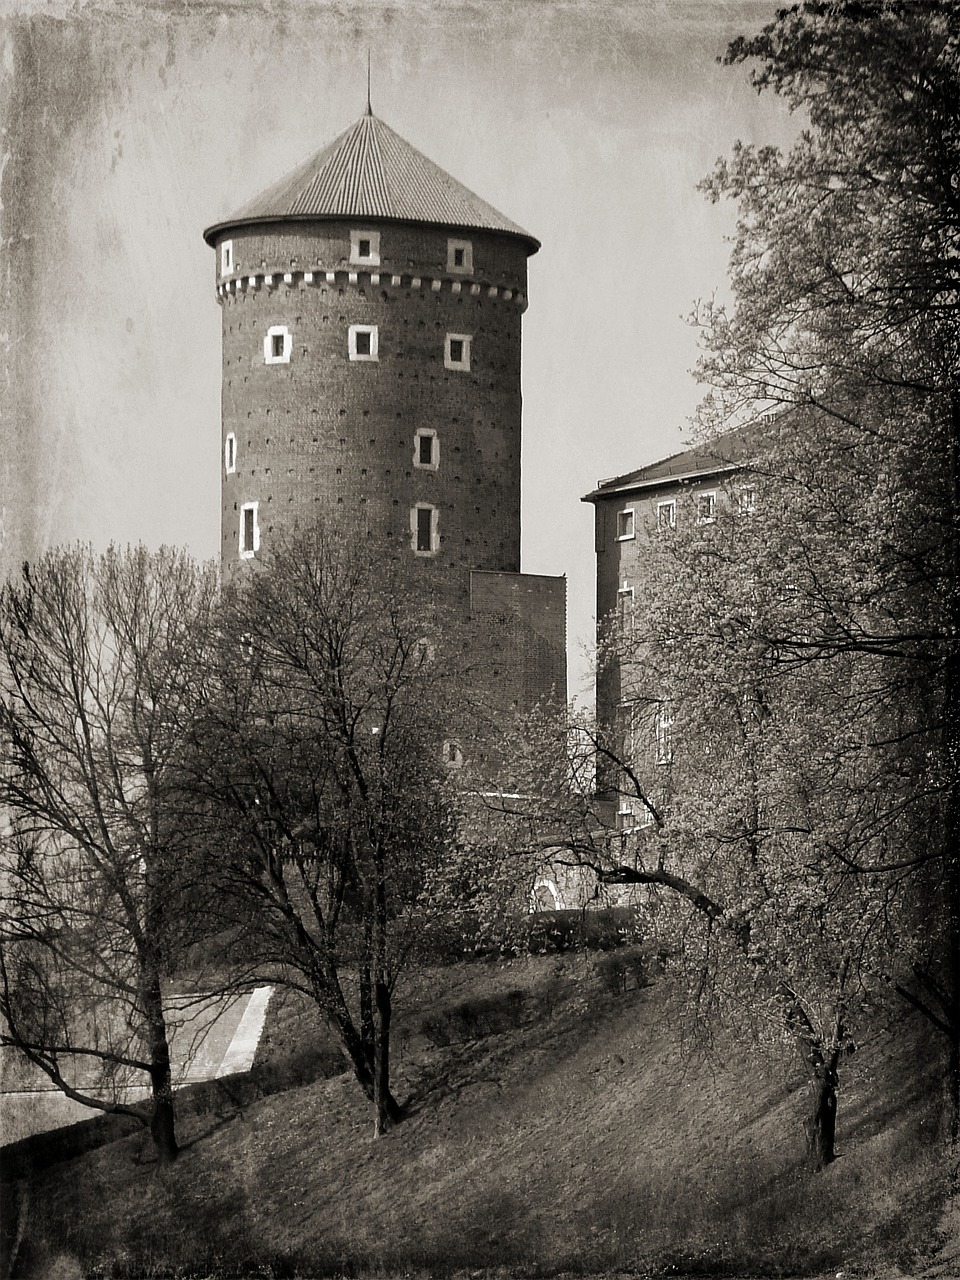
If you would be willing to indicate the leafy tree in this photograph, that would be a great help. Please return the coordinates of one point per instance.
(98, 685)
(844, 282)
(322, 784)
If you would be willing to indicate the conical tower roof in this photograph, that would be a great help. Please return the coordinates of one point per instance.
(369, 171)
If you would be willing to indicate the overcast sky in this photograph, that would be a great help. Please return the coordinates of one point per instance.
(129, 128)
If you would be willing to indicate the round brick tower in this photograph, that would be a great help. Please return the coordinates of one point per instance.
(371, 359)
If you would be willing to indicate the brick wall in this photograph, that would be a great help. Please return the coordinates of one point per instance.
(323, 434)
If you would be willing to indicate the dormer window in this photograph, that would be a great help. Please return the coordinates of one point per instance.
(277, 345)
(365, 248)
(460, 256)
(362, 342)
(226, 257)
(230, 454)
(426, 450)
(456, 352)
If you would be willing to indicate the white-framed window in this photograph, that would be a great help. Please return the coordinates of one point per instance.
(707, 507)
(451, 754)
(426, 449)
(625, 604)
(277, 345)
(362, 342)
(226, 258)
(424, 529)
(249, 530)
(664, 731)
(456, 351)
(230, 454)
(365, 248)
(626, 524)
(746, 501)
(459, 256)
(667, 514)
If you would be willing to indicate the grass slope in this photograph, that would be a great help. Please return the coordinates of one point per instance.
(554, 1124)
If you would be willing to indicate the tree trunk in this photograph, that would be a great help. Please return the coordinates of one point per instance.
(162, 1121)
(821, 1126)
(385, 1109)
(361, 1055)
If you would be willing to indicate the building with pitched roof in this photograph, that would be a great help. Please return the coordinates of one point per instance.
(631, 510)
(371, 316)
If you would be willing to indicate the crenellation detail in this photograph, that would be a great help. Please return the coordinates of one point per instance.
(359, 279)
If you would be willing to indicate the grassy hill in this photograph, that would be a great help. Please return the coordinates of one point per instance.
(557, 1122)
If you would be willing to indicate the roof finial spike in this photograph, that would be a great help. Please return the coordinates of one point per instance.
(369, 108)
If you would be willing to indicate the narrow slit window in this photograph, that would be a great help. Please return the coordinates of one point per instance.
(230, 454)
(424, 529)
(226, 257)
(625, 605)
(249, 530)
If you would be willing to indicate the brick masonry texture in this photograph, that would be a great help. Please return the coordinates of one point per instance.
(323, 432)
(326, 437)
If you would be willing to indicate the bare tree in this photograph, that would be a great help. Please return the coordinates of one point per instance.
(320, 769)
(98, 687)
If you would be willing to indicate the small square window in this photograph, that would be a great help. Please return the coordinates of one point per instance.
(460, 256)
(277, 345)
(706, 508)
(230, 454)
(365, 248)
(226, 257)
(626, 524)
(426, 451)
(456, 353)
(249, 530)
(667, 514)
(363, 342)
(452, 754)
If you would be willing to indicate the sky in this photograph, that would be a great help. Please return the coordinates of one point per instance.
(129, 127)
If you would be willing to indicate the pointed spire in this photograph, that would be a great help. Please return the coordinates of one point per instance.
(369, 108)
